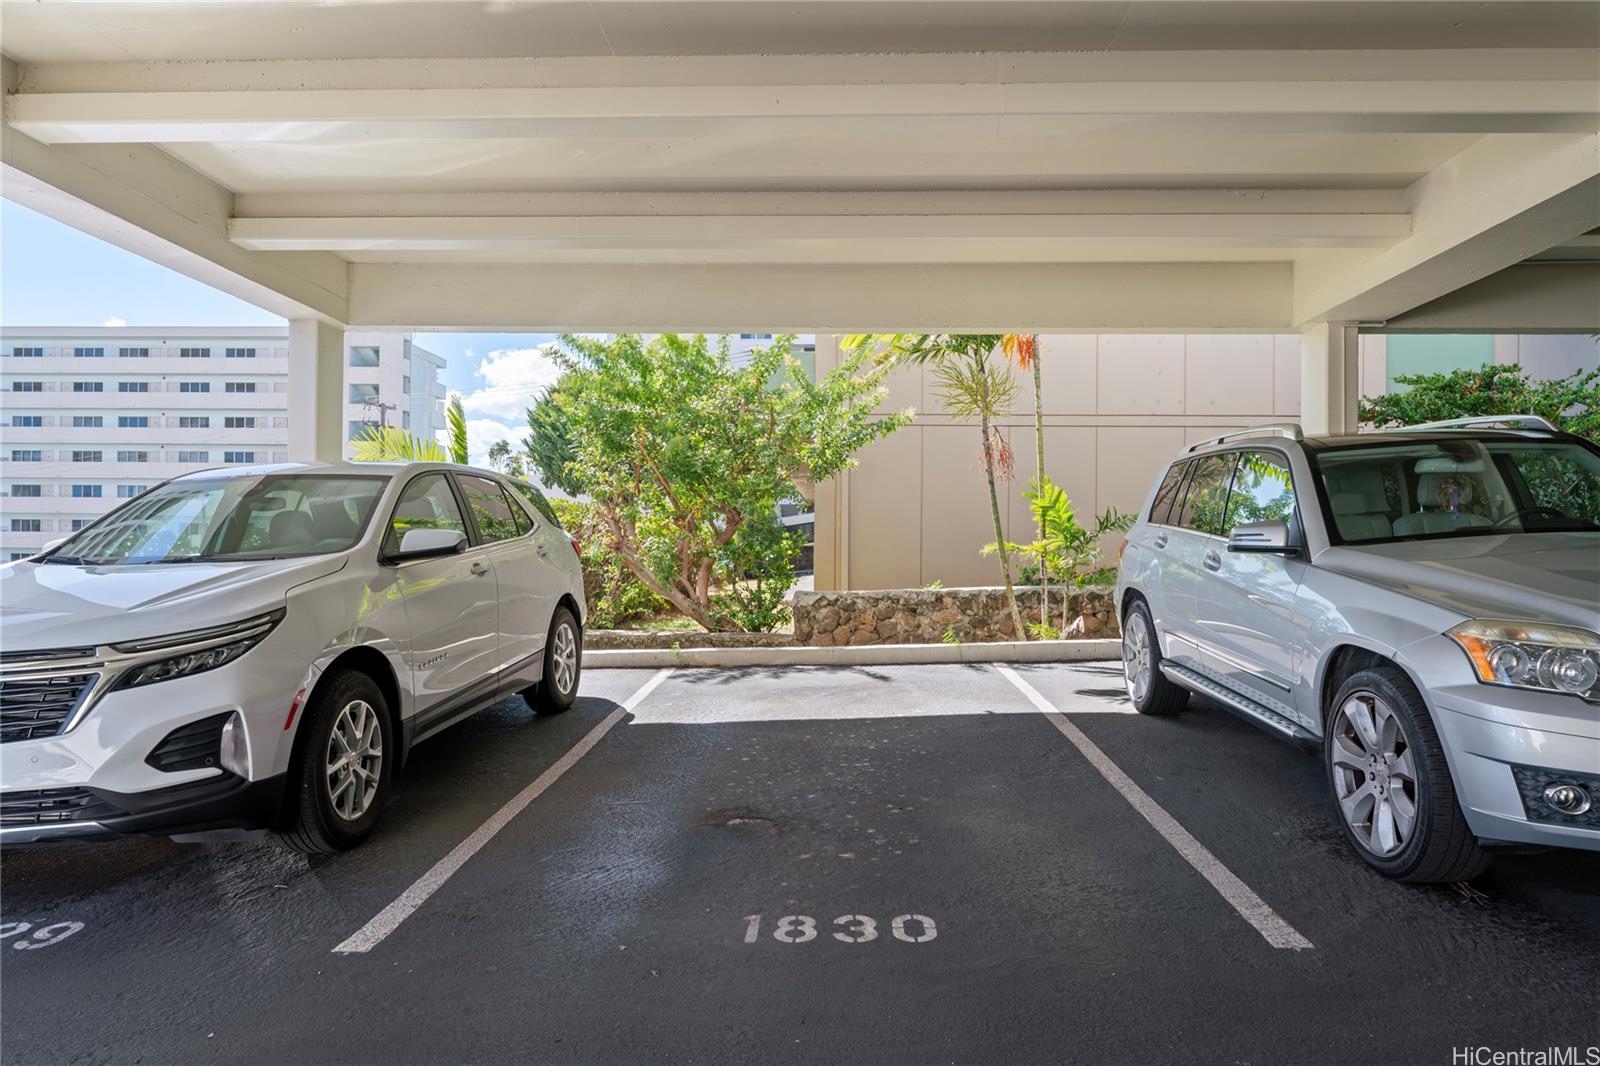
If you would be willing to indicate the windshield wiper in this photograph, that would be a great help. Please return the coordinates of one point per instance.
(68, 560)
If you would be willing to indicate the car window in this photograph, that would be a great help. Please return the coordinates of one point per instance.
(1167, 494)
(1263, 490)
(1207, 495)
(519, 514)
(491, 511)
(539, 502)
(426, 503)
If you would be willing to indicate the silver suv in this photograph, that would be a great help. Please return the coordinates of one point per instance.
(1420, 605)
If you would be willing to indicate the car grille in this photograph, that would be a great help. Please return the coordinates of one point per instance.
(33, 707)
(49, 806)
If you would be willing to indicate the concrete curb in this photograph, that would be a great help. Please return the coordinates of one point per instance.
(1032, 651)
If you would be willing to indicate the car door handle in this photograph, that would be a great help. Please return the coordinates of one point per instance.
(543, 551)
(480, 567)
(1212, 560)
(1161, 540)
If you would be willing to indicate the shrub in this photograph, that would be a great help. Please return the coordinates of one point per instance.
(1572, 403)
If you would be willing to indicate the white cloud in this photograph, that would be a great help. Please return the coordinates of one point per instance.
(513, 378)
(482, 432)
(114, 322)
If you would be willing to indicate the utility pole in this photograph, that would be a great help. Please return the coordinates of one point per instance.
(383, 411)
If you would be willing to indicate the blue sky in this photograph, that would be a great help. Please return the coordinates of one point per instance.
(54, 275)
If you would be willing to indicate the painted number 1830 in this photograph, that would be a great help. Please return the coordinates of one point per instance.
(853, 928)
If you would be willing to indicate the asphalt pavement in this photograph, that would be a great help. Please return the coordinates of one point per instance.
(871, 865)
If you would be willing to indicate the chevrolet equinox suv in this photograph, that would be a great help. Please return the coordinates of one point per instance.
(259, 647)
(1421, 605)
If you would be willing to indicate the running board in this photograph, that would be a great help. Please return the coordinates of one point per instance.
(1243, 706)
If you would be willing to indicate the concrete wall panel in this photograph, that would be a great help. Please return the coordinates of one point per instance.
(886, 512)
(1140, 374)
(1228, 374)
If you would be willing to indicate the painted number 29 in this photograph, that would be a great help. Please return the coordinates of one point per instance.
(853, 928)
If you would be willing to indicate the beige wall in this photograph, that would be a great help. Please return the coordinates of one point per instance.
(1117, 407)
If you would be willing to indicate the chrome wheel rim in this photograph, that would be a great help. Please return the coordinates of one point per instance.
(564, 658)
(1374, 774)
(1137, 666)
(355, 759)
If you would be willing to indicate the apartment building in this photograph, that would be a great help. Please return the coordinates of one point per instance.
(92, 416)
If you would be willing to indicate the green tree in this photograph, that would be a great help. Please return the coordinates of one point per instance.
(973, 384)
(686, 458)
(549, 441)
(391, 444)
(1571, 403)
(503, 459)
(1064, 545)
(455, 416)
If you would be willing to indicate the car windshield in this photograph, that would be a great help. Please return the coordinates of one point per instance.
(271, 516)
(1460, 487)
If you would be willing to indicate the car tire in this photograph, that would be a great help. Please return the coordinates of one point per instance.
(1380, 750)
(563, 666)
(1148, 688)
(334, 811)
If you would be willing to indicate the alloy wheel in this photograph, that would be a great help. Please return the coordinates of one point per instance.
(1374, 774)
(564, 658)
(1137, 664)
(354, 759)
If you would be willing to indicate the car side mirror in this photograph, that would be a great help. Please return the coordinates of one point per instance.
(1271, 537)
(421, 543)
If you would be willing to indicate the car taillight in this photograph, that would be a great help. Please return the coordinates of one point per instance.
(1122, 548)
(577, 548)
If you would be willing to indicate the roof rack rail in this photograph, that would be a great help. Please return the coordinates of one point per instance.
(1289, 430)
(1538, 422)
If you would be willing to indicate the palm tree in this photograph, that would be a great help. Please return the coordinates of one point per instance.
(1022, 350)
(973, 385)
(456, 425)
(391, 444)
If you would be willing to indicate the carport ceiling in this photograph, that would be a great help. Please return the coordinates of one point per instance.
(816, 165)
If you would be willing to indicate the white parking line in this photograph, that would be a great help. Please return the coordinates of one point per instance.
(388, 920)
(1251, 907)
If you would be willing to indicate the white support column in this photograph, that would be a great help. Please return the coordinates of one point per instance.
(1330, 378)
(316, 390)
(831, 506)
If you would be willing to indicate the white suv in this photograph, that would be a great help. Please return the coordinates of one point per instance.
(260, 647)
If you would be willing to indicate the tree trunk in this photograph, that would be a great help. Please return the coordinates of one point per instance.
(999, 532)
(1038, 441)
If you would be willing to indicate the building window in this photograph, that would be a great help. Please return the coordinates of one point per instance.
(86, 457)
(238, 457)
(194, 386)
(133, 421)
(89, 353)
(86, 492)
(134, 353)
(18, 556)
(405, 384)
(88, 386)
(194, 421)
(755, 336)
(30, 491)
(363, 355)
(28, 353)
(26, 455)
(239, 422)
(25, 525)
(240, 386)
(133, 457)
(27, 421)
(128, 492)
(194, 457)
(363, 393)
(405, 419)
(194, 353)
(88, 422)
(79, 523)
(27, 386)
(133, 386)
(241, 353)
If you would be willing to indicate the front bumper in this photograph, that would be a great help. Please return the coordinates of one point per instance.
(1499, 741)
(30, 816)
(100, 777)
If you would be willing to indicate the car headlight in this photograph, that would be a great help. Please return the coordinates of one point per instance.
(1534, 655)
(193, 652)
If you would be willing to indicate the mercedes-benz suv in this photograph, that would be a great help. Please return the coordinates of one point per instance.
(1420, 605)
(260, 647)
